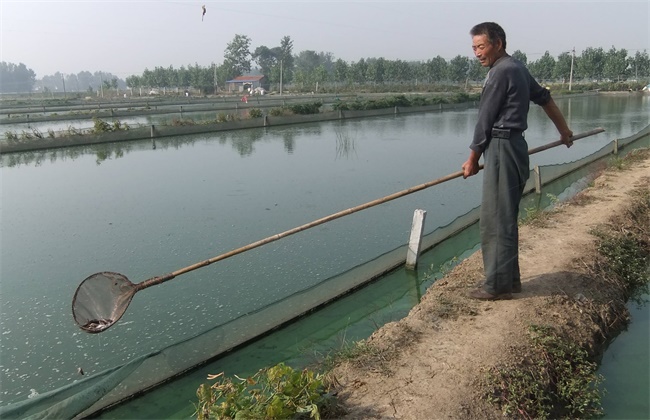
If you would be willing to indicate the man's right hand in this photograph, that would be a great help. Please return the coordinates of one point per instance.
(566, 138)
(471, 166)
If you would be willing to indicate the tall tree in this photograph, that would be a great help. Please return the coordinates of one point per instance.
(640, 65)
(542, 69)
(184, 78)
(458, 68)
(592, 63)
(134, 82)
(16, 78)
(266, 58)
(562, 69)
(376, 70)
(357, 72)
(285, 56)
(307, 61)
(616, 64)
(341, 69)
(476, 71)
(521, 56)
(237, 55)
(437, 69)
(86, 81)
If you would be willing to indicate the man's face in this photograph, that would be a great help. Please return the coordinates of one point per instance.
(486, 53)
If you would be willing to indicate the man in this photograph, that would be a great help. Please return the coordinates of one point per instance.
(499, 138)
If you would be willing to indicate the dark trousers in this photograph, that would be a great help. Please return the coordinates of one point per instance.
(504, 177)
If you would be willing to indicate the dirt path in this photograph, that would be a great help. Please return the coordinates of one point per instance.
(430, 361)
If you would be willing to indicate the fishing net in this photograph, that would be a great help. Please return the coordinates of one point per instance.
(100, 301)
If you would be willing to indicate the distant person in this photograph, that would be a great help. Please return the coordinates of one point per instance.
(499, 137)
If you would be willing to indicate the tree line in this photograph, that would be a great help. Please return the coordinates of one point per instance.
(20, 79)
(309, 69)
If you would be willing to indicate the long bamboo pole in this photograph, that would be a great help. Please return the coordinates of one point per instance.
(160, 279)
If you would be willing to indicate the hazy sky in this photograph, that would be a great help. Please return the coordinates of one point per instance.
(125, 37)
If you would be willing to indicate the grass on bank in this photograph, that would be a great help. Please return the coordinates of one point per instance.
(553, 378)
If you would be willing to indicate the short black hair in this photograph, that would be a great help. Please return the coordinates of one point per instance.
(493, 31)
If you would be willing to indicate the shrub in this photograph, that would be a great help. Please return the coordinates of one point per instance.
(305, 109)
(255, 113)
(357, 105)
(399, 100)
(101, 126)
(276, 112)
(278, 392)
(339, 105)
(438, 100)
(459, 97)
(11, 136)
(419, 101)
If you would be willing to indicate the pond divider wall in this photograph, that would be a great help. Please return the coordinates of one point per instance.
(159, 131)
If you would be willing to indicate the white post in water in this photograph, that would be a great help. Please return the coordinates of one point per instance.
(415, 242)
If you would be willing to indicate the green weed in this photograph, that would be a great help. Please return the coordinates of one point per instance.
(276, 112)
(101, 126)
(555, 379)
(625, 247)
(305, 109)
(255, 113)
(278, 392)
(11, 136)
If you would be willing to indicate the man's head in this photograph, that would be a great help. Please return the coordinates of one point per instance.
(488, 42)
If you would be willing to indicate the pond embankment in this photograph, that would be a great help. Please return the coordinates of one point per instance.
(160, 131)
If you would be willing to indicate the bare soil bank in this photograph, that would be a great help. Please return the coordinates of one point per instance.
(430, 364)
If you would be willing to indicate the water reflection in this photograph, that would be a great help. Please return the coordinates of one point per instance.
(345, 143)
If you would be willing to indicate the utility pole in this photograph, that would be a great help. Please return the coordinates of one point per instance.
(215, 77)
(101, 84)
(573, 55)
(280, 77)
(63, 81)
